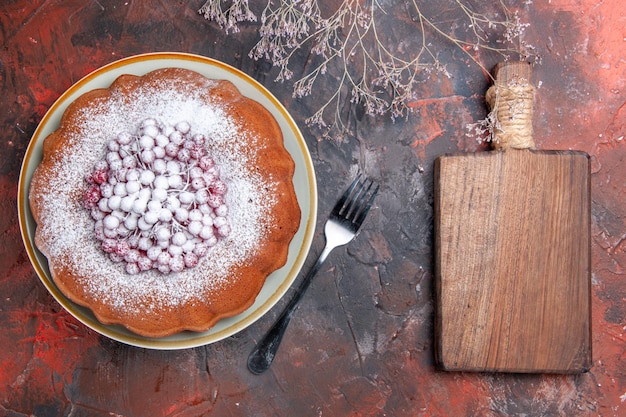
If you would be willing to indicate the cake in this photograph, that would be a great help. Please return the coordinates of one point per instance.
(164, 202)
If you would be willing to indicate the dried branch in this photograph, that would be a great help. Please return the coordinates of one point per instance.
(373, 71)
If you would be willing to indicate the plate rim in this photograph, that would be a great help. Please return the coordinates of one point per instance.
(118, 332)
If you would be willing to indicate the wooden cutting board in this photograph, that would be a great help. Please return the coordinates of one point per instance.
(512, 247)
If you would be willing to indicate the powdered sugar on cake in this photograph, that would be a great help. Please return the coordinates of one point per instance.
(70, 231)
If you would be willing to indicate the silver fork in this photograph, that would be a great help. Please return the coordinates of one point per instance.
(344, 221)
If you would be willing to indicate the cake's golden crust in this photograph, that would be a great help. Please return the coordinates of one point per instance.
(271, 160)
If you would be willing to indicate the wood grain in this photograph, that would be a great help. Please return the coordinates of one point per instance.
(512, 250)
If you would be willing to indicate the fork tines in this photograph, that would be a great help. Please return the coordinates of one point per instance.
(357, 200)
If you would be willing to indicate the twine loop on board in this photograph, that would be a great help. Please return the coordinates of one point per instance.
(511, 106)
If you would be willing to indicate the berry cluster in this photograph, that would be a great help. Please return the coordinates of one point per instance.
(157, 199)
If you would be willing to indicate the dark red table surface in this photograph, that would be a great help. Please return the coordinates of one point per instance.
(362, 341)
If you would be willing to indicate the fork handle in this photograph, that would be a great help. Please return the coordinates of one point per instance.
(262, 356)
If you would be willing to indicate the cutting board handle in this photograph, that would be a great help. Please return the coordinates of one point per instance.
(511, 100)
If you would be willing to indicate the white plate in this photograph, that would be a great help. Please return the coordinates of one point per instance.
(304, 182)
